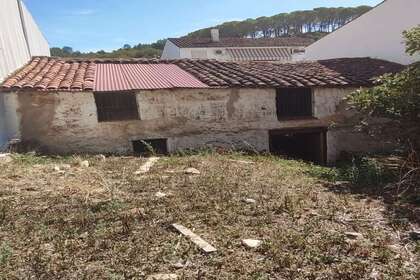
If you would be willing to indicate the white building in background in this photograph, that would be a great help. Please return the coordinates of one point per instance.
(235, 49)
(20, 40)
(376, 34)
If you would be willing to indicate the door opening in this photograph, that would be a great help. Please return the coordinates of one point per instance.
(307, 144)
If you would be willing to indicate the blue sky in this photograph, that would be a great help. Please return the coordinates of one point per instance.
(91, 25)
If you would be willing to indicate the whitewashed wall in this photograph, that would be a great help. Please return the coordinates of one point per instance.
(38, 44)
(15, 49)
(14, 52)
(376, 34)
(171, 51)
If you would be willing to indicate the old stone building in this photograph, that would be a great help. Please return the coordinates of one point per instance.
(116, 106)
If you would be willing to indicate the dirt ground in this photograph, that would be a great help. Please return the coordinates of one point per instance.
(61, 220)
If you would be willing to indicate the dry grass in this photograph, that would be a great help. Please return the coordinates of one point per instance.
(104, 222)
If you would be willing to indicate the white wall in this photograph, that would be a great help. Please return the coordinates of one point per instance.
(210, 53)
(15, 50)
(9, 118)
(38, 44)
(376, 34)
(171, 51)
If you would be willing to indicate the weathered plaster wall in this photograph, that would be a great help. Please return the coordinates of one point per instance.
(190, 119)
(67, 122)
(327, 100)
(344, 134)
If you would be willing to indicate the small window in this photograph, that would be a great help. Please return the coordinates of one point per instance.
(294, 102)
(112, 106)
(150, 147)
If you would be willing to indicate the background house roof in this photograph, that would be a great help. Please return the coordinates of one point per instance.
(57, 74)
(259, 54)
(241, 42)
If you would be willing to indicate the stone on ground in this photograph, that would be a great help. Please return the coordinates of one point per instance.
(342, 184)
(251, 243)
(354, 235)
(161, 195)
(197, 240)
(192, 171)
(241, 161)
(84, 163)
(5, 158)
(100, 157)
(250, 201)
(162, 277)
(147, 166)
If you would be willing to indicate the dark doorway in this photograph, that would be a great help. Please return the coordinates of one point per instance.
(151, 147)
(307, 144)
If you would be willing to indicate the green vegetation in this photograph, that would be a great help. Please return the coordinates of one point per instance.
(153, 50)
(311, 24)
(397, 97)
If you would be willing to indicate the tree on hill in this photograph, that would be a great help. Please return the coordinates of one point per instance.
(320, 20)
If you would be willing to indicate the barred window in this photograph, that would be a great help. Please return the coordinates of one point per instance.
(112, 106)
(294, 102)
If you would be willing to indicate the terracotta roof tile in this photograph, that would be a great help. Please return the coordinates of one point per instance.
(241, 42)
(44, 73)
(53, 74)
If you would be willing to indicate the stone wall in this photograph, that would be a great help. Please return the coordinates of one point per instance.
(67, 122)
(231, 118)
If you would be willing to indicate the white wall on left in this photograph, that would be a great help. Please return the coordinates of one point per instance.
(20, 38)
(15, 48)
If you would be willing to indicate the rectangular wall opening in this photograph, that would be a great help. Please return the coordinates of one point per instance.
(306, 144)
(293, 103)
(150, 147)
(116, 106)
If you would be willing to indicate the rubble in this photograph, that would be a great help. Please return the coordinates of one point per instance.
(192, 171)
(147, 166)
(162, 277)
(353, 235)
(5, 158)
(251, 243)
(197, 240)
(84, 164)
(161, 195)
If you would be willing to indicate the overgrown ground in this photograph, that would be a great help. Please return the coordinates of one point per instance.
(104, 222)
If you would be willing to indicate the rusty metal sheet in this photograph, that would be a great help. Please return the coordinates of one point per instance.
(130, 76)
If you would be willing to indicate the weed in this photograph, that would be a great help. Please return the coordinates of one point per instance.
(5, 253)
(104, 222)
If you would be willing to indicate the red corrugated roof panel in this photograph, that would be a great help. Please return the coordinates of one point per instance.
(121, 77)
